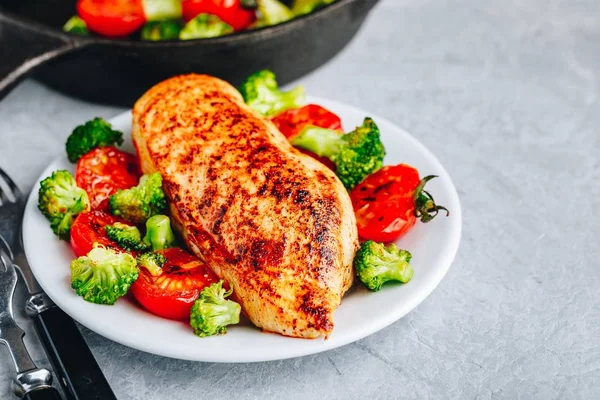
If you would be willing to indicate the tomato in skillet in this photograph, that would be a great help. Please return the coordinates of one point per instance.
(112, 18)
(291, 122)
(230, 11)
(88, 229)
(172, 292)
(103, 171)
(388, 203)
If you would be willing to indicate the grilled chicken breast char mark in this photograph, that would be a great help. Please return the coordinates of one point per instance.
(273, 222)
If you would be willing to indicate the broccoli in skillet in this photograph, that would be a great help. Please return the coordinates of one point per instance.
(205, 26)
(76, 26)
(141, 202)
(103, 275)
(376, 264)
(355, 155)
(92, 134)
(212, 312)
(158, 233)
(153, 262)
(302, 7)
(261, 92)
(161, 30)
(271, 12)
(60, 200)
(126, 236)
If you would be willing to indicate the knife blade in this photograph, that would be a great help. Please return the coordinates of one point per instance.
(74, 364)
(31, 382)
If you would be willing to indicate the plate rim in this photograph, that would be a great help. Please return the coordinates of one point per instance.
(398, 313)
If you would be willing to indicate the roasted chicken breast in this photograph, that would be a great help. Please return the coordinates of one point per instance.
(273, 222)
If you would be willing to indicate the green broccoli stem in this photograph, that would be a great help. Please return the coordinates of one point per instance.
(321, 141)
(425, 207)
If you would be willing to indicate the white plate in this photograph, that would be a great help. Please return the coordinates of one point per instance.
(362, 313)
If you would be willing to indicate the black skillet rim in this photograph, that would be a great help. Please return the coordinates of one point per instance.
(256, 34)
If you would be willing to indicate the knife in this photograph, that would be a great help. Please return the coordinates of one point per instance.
(74, 364)
(31, 382)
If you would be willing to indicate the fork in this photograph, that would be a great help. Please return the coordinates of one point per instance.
(74, 364)
(31, 382)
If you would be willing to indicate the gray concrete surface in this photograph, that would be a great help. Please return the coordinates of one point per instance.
(506, 94)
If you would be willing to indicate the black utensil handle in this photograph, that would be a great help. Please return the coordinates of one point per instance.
(73, 362)
(47, 393)
(25, 46)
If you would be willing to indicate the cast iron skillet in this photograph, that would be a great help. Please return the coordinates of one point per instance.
(119, 71)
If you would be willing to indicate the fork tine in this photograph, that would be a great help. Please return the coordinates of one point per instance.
(12, 185)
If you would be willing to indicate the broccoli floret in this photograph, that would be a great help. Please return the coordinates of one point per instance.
(355, 155)
(211, 313)
(158, 233)
(376, 264)
(126, 236)
(153, 262)
(76, 26)
(103, 275)
(161, 30)
(205, 26)
(92, 134)
(261, 92)
(60, 200)
(271, 12)
(302, 7)
(141, 202)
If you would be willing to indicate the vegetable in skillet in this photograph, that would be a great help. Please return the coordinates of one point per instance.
(389, 202)
(212, 312)
(92, 134)
(239, 14)
(271, 12)
(126, 236)
(60, 200)
(161, 30)
(158, 233)
(103, 275)
(153, 262)
(140, 202)
(355, 154)
(303, 7)
(376, 264)
(160, 10)
(76, 26)
(112, 18)
(261, 92)
(205, 26)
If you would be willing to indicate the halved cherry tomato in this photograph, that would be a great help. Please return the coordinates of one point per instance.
(230, 11)
(172, 293)
(113, 18)
(88, 229)
(388, 203)
(103, 171)
(291, 122)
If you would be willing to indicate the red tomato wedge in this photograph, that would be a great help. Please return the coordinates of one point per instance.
(291, 122)
(172, 293)
(103, 171)
(388, 203)
(230, 11)
(112, 18)
(88, 229)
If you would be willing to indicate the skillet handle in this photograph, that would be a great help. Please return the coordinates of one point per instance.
(361, 8)
(24, 46)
